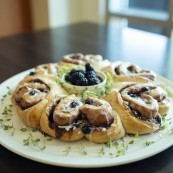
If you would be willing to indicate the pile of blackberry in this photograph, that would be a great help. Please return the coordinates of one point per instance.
(85, 77)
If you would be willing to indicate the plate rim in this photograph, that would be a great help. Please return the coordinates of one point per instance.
(66, 164)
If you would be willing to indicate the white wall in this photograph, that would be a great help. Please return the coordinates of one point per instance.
(63, 12)
(93, 10)
(55, 13)
(58, 12)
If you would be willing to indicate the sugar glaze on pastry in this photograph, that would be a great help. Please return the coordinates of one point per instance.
(134, 103)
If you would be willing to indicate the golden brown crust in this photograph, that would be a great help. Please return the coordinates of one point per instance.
(67, 136)
(80, 59)
(112, 133)
(161, 96)
(97, 112)
(73, 133)
(131, 78)
(45, 69)
(164, 107)
(63, 134)
(31, 115)
(131, 124)
(138, 76)
(74, 58)
(157, 92)
(123, 115)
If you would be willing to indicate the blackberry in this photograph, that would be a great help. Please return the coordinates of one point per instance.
(158, 120)
(46, 91)
(75, 56)
(93, 81)
(86, 129)
(134, 95)
(143, 89)
(72, 71)
(132, 69)
(136, 113)
(89, 102)
(32, 73)
(32, 93)
(117, 71)
(78, 83)
(79, 117)
(74, 104)
(75, 76)
(91, 74)
(67, 78)
(81, 71)
(88, 67)
(82, 82)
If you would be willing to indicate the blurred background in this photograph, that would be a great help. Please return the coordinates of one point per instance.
(21, 16)
(118, 27)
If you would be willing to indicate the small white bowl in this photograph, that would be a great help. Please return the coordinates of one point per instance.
(78, 90)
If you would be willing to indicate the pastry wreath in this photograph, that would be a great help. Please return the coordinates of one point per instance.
(134, 104)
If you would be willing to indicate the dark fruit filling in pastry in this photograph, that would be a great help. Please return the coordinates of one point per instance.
(125, 69)
(87, 129)
(64, 115)
(74, 104)
(31, 94)
(141, 103)
(89, 102)
(32, 73)
(79, 114)
(75, 56)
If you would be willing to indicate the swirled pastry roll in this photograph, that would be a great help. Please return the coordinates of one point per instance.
(101, 123)
(32, 95)
(157, 92)
(74, 58)
(127, 72)
(97, 61)
(46, 69)
(139, 111)
(159, 95)
(61, 119)
(49, 70)
(79, 59)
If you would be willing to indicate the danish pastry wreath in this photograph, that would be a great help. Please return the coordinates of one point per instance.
(86, 96)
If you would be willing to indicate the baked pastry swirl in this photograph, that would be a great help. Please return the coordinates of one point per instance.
(46, 69)
(71, 118)
(127, 72)
(159, 95)
(74, 58)
(80, 59)
(101, 122)
(138, 107)
(32, 95)
(61, 118)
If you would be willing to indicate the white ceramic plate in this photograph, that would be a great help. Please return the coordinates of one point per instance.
(83, 153)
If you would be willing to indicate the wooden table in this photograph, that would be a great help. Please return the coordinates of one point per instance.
(21, 52)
